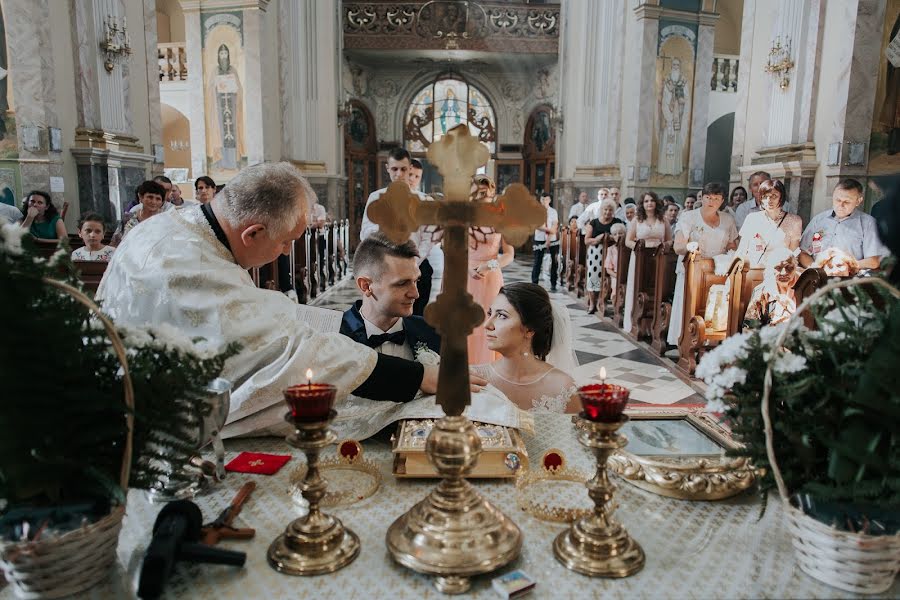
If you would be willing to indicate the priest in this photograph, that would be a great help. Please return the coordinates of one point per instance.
(189, 268)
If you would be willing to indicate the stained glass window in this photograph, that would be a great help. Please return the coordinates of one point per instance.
(444, 104)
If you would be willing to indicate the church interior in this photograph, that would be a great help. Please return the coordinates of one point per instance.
(450, 297)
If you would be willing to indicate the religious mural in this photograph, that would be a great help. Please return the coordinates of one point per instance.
(441, 106)
(674, 86)
(884, 147)
(223, 72)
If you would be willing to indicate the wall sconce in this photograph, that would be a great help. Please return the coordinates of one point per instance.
(116, 43)
(343, 112)
(178, 145)
(780, 63)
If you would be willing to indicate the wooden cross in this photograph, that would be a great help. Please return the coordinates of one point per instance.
(399, 212)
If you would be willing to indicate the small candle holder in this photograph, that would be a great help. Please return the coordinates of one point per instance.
(597, 545)
(317, 542)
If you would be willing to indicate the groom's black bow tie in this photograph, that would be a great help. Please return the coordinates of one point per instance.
(398, 337)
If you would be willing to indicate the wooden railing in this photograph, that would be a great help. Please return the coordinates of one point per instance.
(172, 61)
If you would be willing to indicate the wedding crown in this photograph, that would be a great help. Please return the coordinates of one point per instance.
(349, 458)
(552, 468)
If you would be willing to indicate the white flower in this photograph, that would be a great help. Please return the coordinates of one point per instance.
(715, 406)
(426, 355)
(727, 353)
(788, 362)
(863, 320)
(12, 234)
(693, 246)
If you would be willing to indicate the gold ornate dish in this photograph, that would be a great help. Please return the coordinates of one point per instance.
(552, 468)
(340, 493)
(680, 453)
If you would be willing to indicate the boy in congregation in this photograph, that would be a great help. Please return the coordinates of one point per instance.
(845, 228)
(91, 230)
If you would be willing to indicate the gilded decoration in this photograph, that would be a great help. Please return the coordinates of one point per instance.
(682, 454)
(450, 25)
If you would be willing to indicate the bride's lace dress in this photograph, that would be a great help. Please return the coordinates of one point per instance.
(554, 391)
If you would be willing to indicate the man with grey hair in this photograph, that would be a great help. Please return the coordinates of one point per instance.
(188, 269)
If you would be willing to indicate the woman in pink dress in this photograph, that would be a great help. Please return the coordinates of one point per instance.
(485, 277)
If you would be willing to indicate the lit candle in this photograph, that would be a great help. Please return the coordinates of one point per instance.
(603, 401)
(309, 375)
(310, 402)
(602, 375)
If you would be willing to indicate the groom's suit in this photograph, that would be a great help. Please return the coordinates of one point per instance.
(414, 331)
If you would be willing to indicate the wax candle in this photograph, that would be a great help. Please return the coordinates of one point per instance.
(311, 401)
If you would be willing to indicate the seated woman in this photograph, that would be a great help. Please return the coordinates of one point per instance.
(42, 219)
(773, 301)
(714, 232)
(533, 337)
(612, 259)
(152, 195)
(771, 228)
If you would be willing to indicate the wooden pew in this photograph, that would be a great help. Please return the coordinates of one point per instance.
(569, 258)
(90, 272)
(312, 261)
(644, 290)
(301, 274)
(700, 274)
(664, 291)
(624, 258)
(580, 266)
(607, 245)
(738, 304)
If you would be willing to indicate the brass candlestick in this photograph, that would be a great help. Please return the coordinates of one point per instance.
(316, 543)
(596, 544)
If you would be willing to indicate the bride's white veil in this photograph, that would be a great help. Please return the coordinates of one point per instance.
(562, 355)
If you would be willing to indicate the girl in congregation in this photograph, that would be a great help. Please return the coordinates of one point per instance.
(532, 334)
(709, 231)
(650, 226)
(612, 260)
(42, 219)
(773, 227)
(91, 231)
(485, 263)
(593, 233)
(151, 196)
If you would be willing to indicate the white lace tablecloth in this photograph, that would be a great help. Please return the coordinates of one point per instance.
(694, 549)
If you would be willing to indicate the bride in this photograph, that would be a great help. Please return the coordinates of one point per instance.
(533, 337)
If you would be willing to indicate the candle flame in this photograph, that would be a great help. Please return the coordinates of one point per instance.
(309, 374)
(602, 373)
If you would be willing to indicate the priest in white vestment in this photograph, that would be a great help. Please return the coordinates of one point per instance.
(189, 268)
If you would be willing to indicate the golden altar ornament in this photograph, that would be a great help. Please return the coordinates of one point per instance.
(596, 544)
(349, 458)
(454, 533)
(317, 542)
(551, 468)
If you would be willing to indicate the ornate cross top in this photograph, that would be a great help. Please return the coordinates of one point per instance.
(399, 212)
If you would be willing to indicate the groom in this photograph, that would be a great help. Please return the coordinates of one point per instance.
(386, 274)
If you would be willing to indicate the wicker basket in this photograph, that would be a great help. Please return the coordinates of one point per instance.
(865, 564)
(52, 567)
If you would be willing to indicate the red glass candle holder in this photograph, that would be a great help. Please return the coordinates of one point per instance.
(603, 401)
(310, 401)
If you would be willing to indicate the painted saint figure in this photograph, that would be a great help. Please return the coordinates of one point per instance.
(225, 114)
(674, 110)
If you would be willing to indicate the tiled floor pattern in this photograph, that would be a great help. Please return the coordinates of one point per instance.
(652, 381)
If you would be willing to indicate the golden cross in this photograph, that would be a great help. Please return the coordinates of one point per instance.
(399, 212)
(256, 463)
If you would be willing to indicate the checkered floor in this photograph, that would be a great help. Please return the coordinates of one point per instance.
(652, 381)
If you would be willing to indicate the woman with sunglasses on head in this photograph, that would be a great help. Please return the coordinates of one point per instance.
(771, 228)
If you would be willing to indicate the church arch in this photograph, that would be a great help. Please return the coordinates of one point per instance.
(176, 139)
(719, 137)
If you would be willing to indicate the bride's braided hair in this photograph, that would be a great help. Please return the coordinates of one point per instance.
(532, 302)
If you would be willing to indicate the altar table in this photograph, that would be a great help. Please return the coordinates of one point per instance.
(694, 549)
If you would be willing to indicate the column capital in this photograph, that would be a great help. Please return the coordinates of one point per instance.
(652, 11)
(219, 5)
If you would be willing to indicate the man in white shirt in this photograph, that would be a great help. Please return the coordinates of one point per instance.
(386, 274)
(751, 206)
(616, 197)
(546, 238)
(10, 213)
(579, 207)
(593, 210)
(399, 166)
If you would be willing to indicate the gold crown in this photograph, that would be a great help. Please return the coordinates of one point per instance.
(349, 458)
(552, 468)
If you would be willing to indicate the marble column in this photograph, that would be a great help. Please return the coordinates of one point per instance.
(197, 111)
(748, 23)
(855, 90)
(591, 92)
(110, 159)
(790, 152)
(30, 60)
(310, 59)
(155, 117)
(706, 31)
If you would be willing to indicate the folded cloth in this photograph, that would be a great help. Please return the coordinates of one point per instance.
(258, 462)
